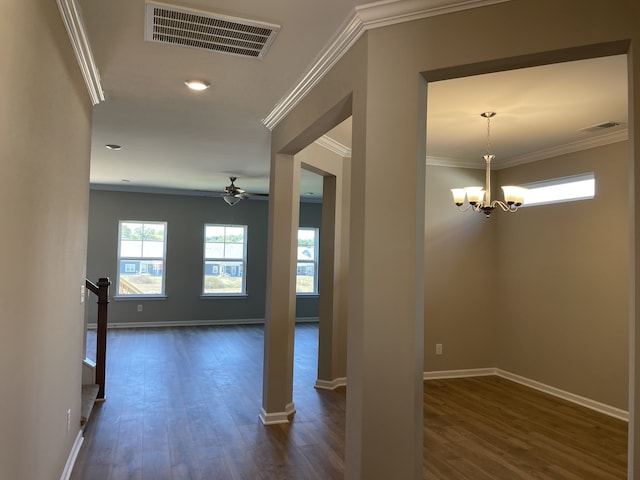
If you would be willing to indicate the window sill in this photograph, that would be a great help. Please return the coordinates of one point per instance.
(213, 296)
(138, 297)
(307, 295)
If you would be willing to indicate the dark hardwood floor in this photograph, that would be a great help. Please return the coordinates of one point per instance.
(183, 403)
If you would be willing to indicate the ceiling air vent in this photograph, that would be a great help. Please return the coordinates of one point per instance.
(600, 127)
(208, 31)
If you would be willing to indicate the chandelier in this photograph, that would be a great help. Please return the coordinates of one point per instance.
(480, 199)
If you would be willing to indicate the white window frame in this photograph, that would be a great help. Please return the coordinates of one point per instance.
(142, 258)
(556, 190)
(223, 259)
(313, 261)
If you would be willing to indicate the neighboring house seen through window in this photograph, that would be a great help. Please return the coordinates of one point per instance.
(225, 260)
(141, 258)
(307, 268)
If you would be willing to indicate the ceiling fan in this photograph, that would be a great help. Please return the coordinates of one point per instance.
(233, 194)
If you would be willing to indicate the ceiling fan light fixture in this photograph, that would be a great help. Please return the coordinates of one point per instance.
(197, 85)
(231, 199)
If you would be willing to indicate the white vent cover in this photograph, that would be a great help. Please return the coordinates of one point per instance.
(208, 31)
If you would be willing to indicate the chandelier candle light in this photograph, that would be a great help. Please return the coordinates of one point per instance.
(479, 199)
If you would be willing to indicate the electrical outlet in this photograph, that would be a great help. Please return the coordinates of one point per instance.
(438, 349)
(68, 420)
(139, 308)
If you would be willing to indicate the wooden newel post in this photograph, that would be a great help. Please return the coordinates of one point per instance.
(101, 347)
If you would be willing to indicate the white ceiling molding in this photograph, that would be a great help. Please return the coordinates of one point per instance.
(454, 162)
(390, 12)
(365, 17)
(72, 18)
(599, 141)
(593, 142)
(336, 147)
(323, 63)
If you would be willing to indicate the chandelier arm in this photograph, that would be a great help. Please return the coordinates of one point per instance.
(502, 205)
(505, 207)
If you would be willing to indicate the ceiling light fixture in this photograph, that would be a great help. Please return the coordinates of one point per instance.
(113, 146)
(231, 199)
(232, 194)
(197, 85)
(479, 199)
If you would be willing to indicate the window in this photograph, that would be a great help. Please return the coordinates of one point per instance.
(564, 189)
(225, 260)
(307, 268)
(141, 258)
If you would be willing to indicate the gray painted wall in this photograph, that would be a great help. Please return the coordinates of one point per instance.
(563, 274)
(185, 217)
(459, 258)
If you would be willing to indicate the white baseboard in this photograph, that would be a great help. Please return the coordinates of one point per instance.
(468, 372)
(571, 397)
(331, 384)
(75, 449)
(195, 323)
(277, 417)
(556, 392)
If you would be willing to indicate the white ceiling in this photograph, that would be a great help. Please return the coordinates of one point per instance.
(540, 111)
(176, 139)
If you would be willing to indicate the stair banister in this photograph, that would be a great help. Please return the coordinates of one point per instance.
(102, 291)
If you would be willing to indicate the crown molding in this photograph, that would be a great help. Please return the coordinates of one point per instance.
(333, 52)
(390, 12)
(72, 18)
(107, 187)
(586, 144)
(335, 147)
(454, 162)
(364, 17)
(593, 142)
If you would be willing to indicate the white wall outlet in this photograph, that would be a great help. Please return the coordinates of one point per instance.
(139, 308)
(68, 420)
(438, 349)
(82, 293)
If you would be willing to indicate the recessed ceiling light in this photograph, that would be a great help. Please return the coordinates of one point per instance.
(124, 180)
(197, 85)
(113, 146)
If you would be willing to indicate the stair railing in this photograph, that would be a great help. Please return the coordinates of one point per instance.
(102, 291)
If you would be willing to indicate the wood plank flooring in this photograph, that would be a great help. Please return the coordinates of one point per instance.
(492, 428)
(183, 403)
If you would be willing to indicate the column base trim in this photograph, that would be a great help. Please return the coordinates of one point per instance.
(331, 384)
(275, 418)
